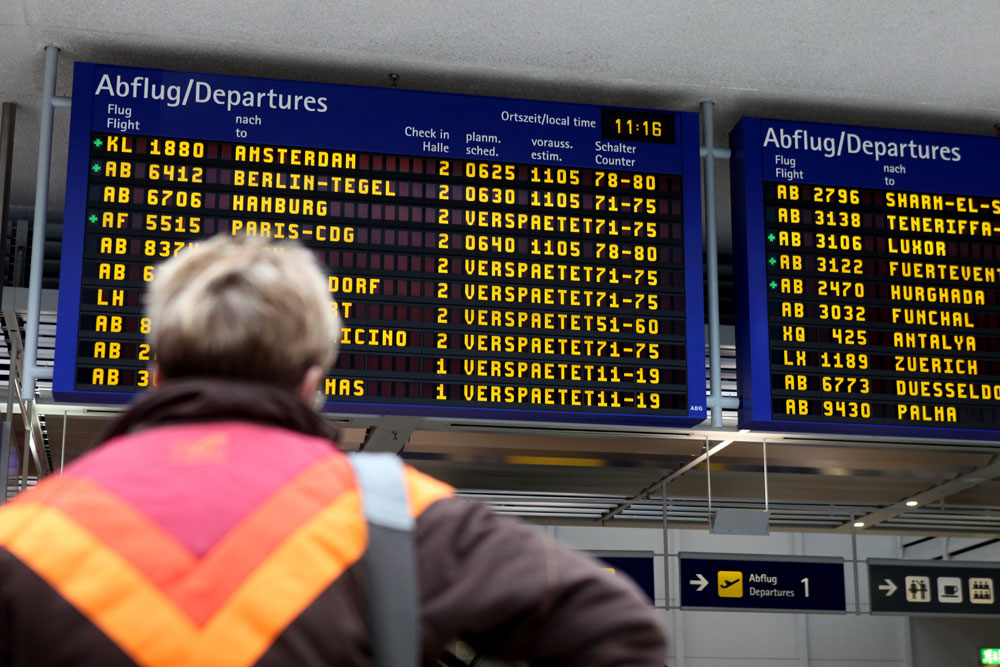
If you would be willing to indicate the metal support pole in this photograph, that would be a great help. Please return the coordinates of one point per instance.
(8, 429)
(33, 435)
(14, 341)
(7, 117)
(677, 615)
(708, 475)
(30, 372)
(5, 458)
(854, 559)
(62, 456)
(666, 549)
(22, 481)
(763, 443)
(715, 400)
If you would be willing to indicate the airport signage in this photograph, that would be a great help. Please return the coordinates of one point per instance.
(762, 583)
(933, 588)
(989, 656)
(636, 566)
(491, 258)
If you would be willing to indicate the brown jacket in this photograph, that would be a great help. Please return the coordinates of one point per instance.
(218, 526)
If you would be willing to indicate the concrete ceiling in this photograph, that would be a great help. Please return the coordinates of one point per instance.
(921, 64)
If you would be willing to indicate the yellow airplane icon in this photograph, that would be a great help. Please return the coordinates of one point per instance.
(730, 584)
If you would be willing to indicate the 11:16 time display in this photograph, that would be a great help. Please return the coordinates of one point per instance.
(638, 126)
(641, 128)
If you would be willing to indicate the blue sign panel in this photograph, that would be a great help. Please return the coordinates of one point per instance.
(933, 587)
(866, 264)
(492, 258)
(637, 568)
(765, 583)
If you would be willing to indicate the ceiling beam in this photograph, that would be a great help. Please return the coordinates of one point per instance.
(666, 479)
(936, 493)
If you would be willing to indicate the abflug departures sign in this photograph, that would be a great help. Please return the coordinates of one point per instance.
(766, 583)
(866, 265)
(492, 258)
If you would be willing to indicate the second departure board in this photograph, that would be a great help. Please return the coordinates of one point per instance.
(492, 258)
(866, 265)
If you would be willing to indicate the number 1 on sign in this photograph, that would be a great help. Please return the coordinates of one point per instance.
(805, 582)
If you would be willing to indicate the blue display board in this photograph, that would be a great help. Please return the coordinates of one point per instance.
(492, 258)
(638, 568)
(764, 583)
(866, 268)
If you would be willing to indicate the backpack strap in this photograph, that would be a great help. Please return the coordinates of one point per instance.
(390, 560)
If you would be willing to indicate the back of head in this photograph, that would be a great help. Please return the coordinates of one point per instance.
(242, 308)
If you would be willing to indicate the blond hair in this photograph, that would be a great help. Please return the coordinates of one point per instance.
(242, 308)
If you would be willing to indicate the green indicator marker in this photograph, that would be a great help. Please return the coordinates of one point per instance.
(96, 168)
(92, 218)
(772, 261)
(773, 284)
(770, 237)
(98, 142)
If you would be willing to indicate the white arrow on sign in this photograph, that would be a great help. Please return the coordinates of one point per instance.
(889, 587)
(700, 582)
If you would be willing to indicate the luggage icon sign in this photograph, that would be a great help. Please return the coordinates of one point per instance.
(981, 590)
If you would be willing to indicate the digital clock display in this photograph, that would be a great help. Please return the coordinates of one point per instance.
(867, 265)
(491, 258)
(638, 126)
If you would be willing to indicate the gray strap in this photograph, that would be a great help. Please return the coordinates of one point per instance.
(383, 491)
(390, 561)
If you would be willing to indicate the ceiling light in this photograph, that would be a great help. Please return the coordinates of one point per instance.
(859, 524)
(912, 503)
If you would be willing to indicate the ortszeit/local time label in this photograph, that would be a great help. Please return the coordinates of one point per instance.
(766, 583)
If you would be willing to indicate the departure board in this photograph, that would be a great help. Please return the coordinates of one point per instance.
(866, 265)
(492, 258)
